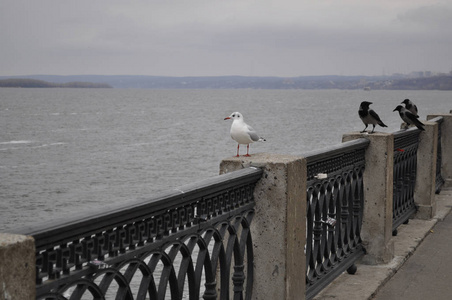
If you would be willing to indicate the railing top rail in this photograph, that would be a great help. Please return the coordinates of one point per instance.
(406, 132)
(83, 223)
(406, 138)
(319, 155)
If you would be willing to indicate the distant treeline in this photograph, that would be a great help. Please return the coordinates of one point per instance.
(34, 83)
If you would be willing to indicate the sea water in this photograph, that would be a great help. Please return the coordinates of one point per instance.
(74, 150)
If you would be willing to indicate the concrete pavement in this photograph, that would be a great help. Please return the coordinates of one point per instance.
(421, 268)
(428, 273)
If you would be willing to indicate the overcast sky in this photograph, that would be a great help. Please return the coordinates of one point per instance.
(227, 37)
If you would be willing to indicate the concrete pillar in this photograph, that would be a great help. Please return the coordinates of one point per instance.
(424, 190)
(378, 176)
(279, 225)
(17, 267)
(446, 148)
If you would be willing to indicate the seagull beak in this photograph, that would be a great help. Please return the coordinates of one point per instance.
(227, 118)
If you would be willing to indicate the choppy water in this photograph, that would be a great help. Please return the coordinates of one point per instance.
(72, 150)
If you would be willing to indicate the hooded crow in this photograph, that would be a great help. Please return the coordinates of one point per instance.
(369, 116)
(242, 133)
(409, 117)
(409, 105)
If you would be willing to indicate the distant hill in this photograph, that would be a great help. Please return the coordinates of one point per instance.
(35, 83)
(394, 82)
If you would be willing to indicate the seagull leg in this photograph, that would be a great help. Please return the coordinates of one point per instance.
(247, 149)
(238, 147)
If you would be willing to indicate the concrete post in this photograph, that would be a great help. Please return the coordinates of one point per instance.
(424, 189)
(446, 148)
(17, 267)
(279, 225)
(378, 189)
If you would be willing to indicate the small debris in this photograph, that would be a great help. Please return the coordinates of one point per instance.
(98, 264)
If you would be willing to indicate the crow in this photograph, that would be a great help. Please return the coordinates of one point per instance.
(408, 117)
(409, 105)
(369, 116)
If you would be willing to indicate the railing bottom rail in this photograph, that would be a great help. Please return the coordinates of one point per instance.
(358, 253)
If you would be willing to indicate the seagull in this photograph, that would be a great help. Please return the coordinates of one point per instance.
(369, 116)
(242, 133)
(409, 105)
(409, 117)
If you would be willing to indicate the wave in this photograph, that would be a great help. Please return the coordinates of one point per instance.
(47, 145)
(15, 142)
(27, 142)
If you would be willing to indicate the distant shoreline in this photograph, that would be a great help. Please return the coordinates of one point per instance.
(368, 83)
(35, 83)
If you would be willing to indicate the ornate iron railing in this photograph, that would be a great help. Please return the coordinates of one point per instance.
(406, 143)
(439, 156)
(190, 243)
(334, 212)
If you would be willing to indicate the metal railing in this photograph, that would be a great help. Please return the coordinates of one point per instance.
(193, 242)
(334, 212)
(406, 143)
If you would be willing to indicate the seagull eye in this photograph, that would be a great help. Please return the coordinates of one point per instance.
(233, 116)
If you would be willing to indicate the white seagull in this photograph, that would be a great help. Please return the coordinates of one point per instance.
(242, 133)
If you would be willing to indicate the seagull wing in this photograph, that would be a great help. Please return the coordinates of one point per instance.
(252, 133)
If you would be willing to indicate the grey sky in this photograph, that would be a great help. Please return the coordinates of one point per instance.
(227, 37)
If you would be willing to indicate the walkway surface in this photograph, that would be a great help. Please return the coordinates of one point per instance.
(421, 268)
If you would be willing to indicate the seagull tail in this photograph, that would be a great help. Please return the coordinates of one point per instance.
(261, 139)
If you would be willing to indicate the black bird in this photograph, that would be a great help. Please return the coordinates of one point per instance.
(408, 117)
(409, 105)
(369, 116)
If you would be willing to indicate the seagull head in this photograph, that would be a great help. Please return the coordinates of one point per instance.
(398, 108)
(235, 116)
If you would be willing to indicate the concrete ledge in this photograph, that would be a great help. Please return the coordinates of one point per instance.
(446, 131)
(279, 224)
(424, 191)
(17, 267)
(376, 231)
(370, 278)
